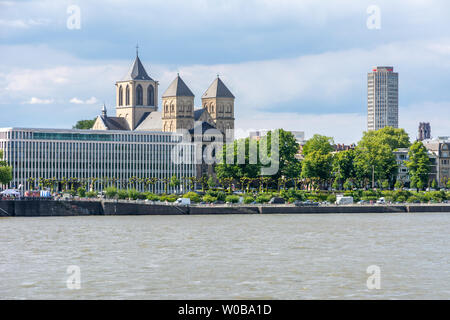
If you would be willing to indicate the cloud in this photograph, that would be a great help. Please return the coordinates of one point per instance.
(23, 24)
(76, 101)
(35, 100)
(91, 100)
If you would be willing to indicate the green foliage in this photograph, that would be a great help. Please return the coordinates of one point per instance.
(418, 165)
(84, 124)
(318, 143)
(348, 184)
(331, 198)
(393, 138)
(193, 196)
(211, 182)
(81, 192)
(263, 198)
(91, 194)
(174, 181)
(133, 194)
(5, 171)
(110, 192)
(122, 194)
(317, 165)
(385, 184)
(152, 196)
(434, 184)
(232, 198)
(248, 199)
(169, 197)
(209, 198)
(398, 184)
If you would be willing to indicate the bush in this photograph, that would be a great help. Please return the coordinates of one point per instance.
(91, 194)
(81, 192)
(152, 196)
(110, 192)
(209, 198)
(232, 199)
(133, 194)
(221, 196)
(248, 199)
(193, 196)
(122, 194)
(263, 198)
(169, 197)
(331, 198)
(413, 199)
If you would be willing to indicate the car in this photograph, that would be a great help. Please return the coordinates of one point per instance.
(218, 202)
(363, 202)
(381, 201)
(310, 203)
(277, 200)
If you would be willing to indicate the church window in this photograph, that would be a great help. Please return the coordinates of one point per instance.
(172, 108)
(139, 95)
(127, 96)
(150, 96)
(166, 108)
(120, 96)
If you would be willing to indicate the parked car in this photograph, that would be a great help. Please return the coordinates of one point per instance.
(277, 200)
(363, 202)
(381, 201)
(340, 199)
(310, 203)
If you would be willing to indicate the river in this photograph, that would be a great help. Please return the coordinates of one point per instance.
(309, 256)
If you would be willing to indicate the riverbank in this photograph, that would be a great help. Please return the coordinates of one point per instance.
(42, 208)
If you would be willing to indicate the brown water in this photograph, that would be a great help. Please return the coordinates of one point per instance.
(227, 257)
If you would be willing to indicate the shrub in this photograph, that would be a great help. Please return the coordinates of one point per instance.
(152, 196)
(122, 194)
(91, 194)
(193, 196)
(263, 198)
(232, 199)
(413, 199)
(133, 194)
(81, 192)
(111, 192)
(209, 198)
(248, 199)
(331, 198)
(221, 196)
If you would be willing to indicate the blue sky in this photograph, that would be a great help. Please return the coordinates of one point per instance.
(299, 65)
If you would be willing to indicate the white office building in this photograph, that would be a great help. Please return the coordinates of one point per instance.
(98, 158)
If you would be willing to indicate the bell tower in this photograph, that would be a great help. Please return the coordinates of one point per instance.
(178, 107)
(219, 101)
(136, 94)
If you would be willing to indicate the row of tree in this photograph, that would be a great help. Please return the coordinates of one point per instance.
(371, 163)
(5, 171)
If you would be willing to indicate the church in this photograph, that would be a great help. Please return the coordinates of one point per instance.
(137, 105)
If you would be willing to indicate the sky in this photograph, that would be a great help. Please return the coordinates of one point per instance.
(293, 64)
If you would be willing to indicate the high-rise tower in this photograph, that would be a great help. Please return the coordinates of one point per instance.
(382, 98)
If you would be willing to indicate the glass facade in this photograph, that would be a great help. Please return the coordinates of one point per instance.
(124, 159)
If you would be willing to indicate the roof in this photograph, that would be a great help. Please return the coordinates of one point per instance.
(203, 126)
(198, 113)
(115, 123)
(178, 89)
(137, 71)
(218, 90)
(151, 122)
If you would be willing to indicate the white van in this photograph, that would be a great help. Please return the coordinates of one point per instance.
(340, 199)
(381, 201)
(183, 201)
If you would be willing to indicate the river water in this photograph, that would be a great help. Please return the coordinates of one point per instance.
(226, 257)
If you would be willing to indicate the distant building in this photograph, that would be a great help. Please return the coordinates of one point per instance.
(382, 98)
(440, 147)
(401, 156)
(424, 131)
(343, 147)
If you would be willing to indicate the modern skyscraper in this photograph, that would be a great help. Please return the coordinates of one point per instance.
(382, 98)
(424, 131)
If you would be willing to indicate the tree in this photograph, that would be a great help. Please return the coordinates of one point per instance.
(319, 143)
(174, 182)
(434, 184)
(343, 165)
(5, 171)
(374, 157)
(211, 182)
(418, 165)
(317, 166)
(84, 124)
(394, 138)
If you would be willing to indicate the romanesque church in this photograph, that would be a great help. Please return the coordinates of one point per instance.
(137, 105)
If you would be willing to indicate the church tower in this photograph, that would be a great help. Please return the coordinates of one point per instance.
(178, 107)
(136, 94)
(219, 102)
